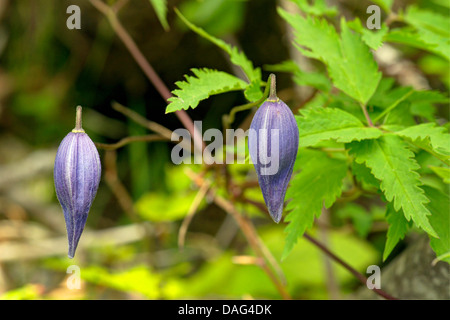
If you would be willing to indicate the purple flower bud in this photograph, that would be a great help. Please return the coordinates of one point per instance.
(273, 146)
(77, 176)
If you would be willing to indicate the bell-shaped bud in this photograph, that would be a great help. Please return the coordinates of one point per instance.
(77, 174)
(273, 146)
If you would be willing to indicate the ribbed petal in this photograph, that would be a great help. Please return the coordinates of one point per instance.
(273, 146)
(77, 174)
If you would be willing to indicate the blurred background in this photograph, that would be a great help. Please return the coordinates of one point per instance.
(129, 248)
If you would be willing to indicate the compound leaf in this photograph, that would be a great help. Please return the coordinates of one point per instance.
(318, 124)
(318, 183)
(205, 83)
(393, 164)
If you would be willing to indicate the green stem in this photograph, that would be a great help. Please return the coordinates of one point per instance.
(392, 106)
(366, 115)
(229, 119)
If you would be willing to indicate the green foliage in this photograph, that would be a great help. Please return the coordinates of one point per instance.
(321, 124)
(217, 85)
(302, 78)
(339, 53)
(347, 152)
(393, 164)
(316, 8)
(318, 184)
(373, 38)
(205, 83)
(427, 30)
(398, 227)
(430, 135)
(170, 206)
(218, 18)
(440, 220)
(386, 5)
(160, 7)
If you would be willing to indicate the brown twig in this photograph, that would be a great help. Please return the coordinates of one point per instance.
(358, 275)
(151, 125)
(248, 231)
(117, 188)
(146, 67)
(366, 115)
(128, 140)
(192, 210)
(330, 254)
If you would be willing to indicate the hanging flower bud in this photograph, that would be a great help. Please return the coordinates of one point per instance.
(77, 176)
(273, 146)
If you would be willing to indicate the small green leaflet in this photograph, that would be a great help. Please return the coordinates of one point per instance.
(205, 83)
(421, 39)
(430, 137)
(433, 21)
(319, 124)
(318, 183)
(308, 30)
(349, 61)
(438, 136)
(160, 7)
(427, 30)
(236, 57)
(357, 73)
(398, 227)
(393, 164)
(440, 220)
(373, 38)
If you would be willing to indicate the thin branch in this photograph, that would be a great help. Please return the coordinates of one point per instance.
(191, 212)
(117, 188)
(358, 275)
(366, 114)
(229, 119)
(146, 67)
(128, 140)
(247, 230)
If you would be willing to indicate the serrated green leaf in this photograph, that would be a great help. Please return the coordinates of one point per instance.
(430, 134)
(236, 57)
(422, 36)
(364, 176)
(373, 38)
(319, 183)
(349, 61)
(160, 7)
(321, 124)
(433, 21)
(253, 91)
(386, 5)
(439, 207)
(398, 227)
(205, 83)
(393, 164)
(308, 30)
(357, 73)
